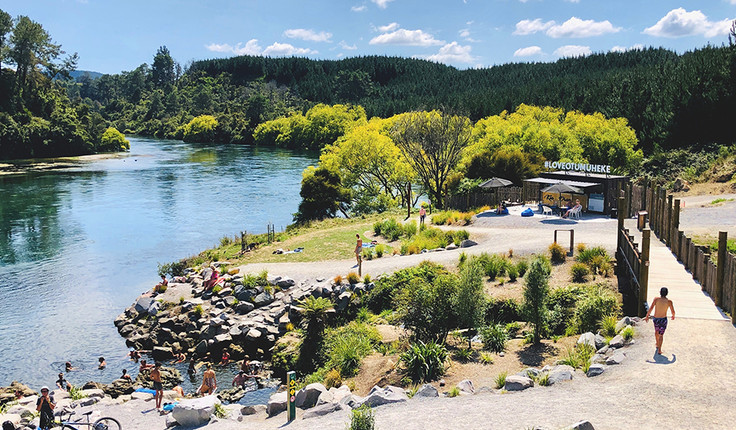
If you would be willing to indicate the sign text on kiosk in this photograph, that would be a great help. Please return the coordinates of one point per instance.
(578, 167)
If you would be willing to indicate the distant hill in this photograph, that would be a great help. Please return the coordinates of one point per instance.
(77, 74)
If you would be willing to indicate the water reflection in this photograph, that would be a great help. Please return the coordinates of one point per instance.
(78, 245)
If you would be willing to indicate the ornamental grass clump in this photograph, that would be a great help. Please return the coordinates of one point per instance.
(557, 253)
(501, 380)
(424, 362)
(579, 273)
(362, 418)
(494, 337)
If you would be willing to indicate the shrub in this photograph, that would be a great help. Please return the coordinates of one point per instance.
(627, 333)
(597, 303)
(390, 229)
(494, 265)
(367, 254)
(597, 263)
(501, 380)
(424, 362)
(462, 259)
(380, 248)
(522, 266)
(333, 379)
(608, 325)
(423, 308)
(382, 297)
(345, 347)
(586, 255)
(410, 228)
(486, 357)
(220, 411)
(200, 129)
(502, 311)
(113, 141)
(543, 380)
(579, 272)
(579, 357)
(198, 310)
(557, 253)
(513, 272)
(172, 269)
(75, 393)
(454, 392)
(580, 247)
(512, 329)
(353, 278)
(337, 279)
(367, 279)
(362, 418)
(464, 354)
(494, 337)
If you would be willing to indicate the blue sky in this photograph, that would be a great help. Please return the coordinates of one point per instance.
(115, 35)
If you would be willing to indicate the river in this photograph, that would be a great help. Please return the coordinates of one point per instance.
(77, 245)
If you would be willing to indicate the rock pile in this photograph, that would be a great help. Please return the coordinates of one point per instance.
(244, 317)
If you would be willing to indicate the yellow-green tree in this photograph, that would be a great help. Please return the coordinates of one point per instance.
(200, 129)
(433, 143)
(369, 162)
(113, 141)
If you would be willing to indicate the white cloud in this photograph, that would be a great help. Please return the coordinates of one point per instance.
(344, 45)
(310, 35)
(573, 51)
(285, 49)
(453, 53)
(679, 22)
(576, 27)
(573, 1)
(251, 48)
(528, 51)
(619, 48)
(528, 26)
(360, 8)
(406, 37)
(464, 32)
(388, 27)
(573, 27)
(383, 4)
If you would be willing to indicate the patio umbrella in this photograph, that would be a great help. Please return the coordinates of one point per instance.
(560, 188)
(496, 183)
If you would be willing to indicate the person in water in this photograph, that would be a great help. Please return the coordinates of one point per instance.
(68, 366)
(62, 383)
(209, 381)
(103, 363)
(125, 375)
(660, 305)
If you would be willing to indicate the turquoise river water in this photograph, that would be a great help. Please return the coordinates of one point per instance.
(77, 245)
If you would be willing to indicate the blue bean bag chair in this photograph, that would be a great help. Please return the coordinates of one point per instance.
(527, 212)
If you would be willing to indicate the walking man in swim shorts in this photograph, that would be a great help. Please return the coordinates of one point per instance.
(660, 306)
(358, 247)
(157, 385)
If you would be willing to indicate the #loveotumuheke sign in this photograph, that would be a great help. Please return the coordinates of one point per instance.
(578, 167)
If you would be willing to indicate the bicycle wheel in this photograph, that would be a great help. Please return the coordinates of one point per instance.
(107, 423)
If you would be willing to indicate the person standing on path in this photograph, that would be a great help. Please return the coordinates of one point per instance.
(157, 385)
(660, 306)
(422, 215)
(45, 405)
(358, 247)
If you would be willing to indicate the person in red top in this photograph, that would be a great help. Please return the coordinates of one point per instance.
(225, 357)
(422, 215)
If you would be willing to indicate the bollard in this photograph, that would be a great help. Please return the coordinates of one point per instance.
(291, 398)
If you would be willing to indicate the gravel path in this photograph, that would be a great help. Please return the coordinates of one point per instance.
(493, 233)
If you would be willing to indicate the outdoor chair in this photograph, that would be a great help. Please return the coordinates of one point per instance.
(575, 212)
(546, 210)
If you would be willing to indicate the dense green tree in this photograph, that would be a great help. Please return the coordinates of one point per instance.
(536, 290)
(426, 307)
(6, 26)
(163, 69)
(469, 302)
(322, 195)
(200, 129)
(30, 47)
(433, 143)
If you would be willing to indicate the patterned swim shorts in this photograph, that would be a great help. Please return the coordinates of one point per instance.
(660, 325)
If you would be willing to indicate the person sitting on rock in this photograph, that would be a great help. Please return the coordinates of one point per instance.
(161, 286)
(144, 366)
(125, 375)
(213, 278)
(225, 357)
(209, 381)
(179, 391)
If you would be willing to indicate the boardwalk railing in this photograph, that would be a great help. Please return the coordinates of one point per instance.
(717, 278)
(634, 265)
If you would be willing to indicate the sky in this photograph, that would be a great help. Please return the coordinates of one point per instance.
(115, 35)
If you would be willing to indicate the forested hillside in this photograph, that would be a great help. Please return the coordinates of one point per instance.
(671, 100)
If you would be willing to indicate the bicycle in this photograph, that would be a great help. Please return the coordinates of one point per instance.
(104, 423)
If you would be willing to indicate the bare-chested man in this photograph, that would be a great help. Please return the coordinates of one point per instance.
(660, 306)
(157, 385)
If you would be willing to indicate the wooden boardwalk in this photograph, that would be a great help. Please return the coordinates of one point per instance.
(689, 299)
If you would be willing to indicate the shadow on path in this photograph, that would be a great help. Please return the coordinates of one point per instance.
(662, 359)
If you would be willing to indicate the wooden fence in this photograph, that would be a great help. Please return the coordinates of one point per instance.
(528, 193)
(633, 264)
(717, 278)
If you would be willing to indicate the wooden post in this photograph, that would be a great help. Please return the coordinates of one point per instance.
(721, 273)
(360, 267)
(644, 271)
(242, 241)
(572, 242)
(704, 275)
(629, 195)
(620, 222)
(668, 222)
(408, 200)
(675, 224)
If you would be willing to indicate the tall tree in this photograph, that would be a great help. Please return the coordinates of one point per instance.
(6, 26)
(470, 299)
(433, 143)
(535, 295)
(30, 47)
(163, 70)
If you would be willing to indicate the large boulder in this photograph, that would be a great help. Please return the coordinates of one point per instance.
(244, 294)
(426, 390)
(466, 386)
(467, 243)
(600, 341)
(561, 373)
(518, 383)
(244, 307)
(143, 304)
(276, 404)
(595, 370)
(617, 358)
(194, 412)
(320, 410)
(581, 425)
(285, 283)
(587, 339)
(263, 299)
(383, 396)
(616, 342)
(307, 397)
(162, 353)
(623, 322)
